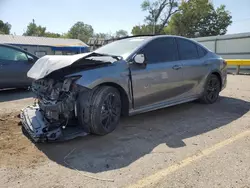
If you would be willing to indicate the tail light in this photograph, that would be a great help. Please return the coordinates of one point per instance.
(224, 64)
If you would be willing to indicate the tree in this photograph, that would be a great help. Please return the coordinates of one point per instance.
(121, 33)
(53, 35)
(37, 30)
(4, 27)
(34, 30)
(81, 31)
(102, 35)
(199, 18)
(142, 29)
(159, 13)
(145, 29)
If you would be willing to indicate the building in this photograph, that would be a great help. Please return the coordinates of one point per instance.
(95, 43)
(231, 46)
(41, 46)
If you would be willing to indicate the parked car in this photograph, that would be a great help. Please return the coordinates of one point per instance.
(89, 92)
(14, 65)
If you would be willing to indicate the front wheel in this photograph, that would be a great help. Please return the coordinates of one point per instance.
(105, 110)
(212, 90)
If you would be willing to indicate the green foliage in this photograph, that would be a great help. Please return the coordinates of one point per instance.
(34, 30)
(4, 27)
(52, 35)
(102, 35)
(199, 18)
(142, 30)
(146, 29)
(81, 31)
(121, 33)
(37, 30)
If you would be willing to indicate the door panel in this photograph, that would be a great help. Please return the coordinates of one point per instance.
(194, 67)
(14, 73)
(160, 78)
(156, 83)
(14, 66)
(194, 72)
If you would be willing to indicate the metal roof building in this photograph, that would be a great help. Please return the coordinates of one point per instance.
(41, 46)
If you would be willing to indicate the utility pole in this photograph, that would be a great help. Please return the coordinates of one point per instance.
(154, 24)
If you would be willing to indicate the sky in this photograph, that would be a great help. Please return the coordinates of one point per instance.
(104, 16)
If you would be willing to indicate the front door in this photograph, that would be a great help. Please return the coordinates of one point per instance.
(160, 78)
(14, 66)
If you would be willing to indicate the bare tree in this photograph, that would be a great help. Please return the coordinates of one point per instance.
(159, 12)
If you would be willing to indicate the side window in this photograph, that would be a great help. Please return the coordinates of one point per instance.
(12, 54)
(161, 50)
(187, 49)
(201, 51)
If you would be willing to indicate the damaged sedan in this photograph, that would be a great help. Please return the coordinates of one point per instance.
(88, 93)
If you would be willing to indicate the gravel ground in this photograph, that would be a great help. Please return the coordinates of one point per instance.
(141, 146)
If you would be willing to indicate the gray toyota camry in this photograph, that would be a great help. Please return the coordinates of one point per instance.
(87, 93)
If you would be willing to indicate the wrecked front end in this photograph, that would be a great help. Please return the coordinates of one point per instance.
(54, 114)
(61, 110)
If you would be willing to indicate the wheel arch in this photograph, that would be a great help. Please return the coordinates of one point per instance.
(216, 73)
(123, 94)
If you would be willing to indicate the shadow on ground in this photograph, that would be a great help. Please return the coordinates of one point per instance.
(14, 94)
(139, 135)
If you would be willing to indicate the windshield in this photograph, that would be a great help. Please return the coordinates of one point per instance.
(122, 47)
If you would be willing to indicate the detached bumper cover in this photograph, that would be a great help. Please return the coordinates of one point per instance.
(35, 125)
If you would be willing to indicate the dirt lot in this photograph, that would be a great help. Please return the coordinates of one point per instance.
(189, 145)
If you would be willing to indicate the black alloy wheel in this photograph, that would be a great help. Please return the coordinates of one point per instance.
(212, 90)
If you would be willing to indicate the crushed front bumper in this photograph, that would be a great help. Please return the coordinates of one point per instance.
(35, 125)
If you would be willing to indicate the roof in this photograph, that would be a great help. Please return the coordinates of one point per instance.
(41, 41)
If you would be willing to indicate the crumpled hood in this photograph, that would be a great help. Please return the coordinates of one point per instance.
(50, 63)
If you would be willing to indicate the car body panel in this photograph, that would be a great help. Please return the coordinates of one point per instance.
(50, 63)
(153, 83)
(14, 73)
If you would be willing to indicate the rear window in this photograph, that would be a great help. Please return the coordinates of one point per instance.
(201, 51)
(187, 49)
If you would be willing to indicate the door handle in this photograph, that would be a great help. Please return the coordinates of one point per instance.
(177, 67)
(206, 63)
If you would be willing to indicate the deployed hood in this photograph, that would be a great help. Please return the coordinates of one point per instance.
(50, 63)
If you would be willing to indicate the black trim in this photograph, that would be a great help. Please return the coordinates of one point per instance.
(178, 51)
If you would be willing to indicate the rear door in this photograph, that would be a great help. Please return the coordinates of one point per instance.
(14, 66)
(195, 68)
(160, 78)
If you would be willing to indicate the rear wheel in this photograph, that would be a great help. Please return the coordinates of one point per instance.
(105, 110)
(212, 90)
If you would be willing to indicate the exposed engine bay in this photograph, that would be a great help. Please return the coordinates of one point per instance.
(55, 108)
(55, 112)
(56, 99)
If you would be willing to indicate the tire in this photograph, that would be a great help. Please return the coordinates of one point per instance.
(211, 90)
(105, 110)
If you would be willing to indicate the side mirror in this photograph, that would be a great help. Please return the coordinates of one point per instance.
(30, 59)
(139, 59)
